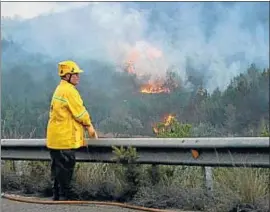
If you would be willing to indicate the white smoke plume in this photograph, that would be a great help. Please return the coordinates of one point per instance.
(219, 39)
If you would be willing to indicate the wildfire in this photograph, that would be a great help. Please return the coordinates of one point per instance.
(155, 130)
(142, 59)
(130, 68)
(160, 86)
(154, 88)
(167, 121)
(133, 56)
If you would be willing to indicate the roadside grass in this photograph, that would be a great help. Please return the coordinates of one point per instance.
(235, 189)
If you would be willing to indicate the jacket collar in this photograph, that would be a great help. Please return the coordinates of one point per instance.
(64, 82)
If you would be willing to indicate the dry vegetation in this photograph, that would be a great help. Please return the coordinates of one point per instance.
(235, 189)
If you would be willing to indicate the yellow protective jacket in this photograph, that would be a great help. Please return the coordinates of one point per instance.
(67, 116)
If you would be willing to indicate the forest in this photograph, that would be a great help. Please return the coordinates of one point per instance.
(119, 108)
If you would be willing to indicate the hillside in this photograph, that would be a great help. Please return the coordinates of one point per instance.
(211, 61)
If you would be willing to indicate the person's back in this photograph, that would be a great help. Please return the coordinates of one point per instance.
(65, 130)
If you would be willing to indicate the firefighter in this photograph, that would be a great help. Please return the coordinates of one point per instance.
(68, 119)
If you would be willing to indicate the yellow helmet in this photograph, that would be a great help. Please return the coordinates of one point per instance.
(68, 67)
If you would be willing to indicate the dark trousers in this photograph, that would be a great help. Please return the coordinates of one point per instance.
(62, 168)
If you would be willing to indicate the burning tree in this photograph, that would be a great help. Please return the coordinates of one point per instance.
(171, 128)
(143, 60)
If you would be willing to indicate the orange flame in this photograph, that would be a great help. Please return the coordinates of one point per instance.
(159, 86)
(167, 120)
(154, 88)
(141, 50)
(146, 50)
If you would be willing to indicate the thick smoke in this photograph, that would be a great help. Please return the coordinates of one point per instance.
(217, 41)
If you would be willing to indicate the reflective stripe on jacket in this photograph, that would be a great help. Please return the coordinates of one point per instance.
(67, 117)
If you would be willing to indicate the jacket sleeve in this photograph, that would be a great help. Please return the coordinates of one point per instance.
(78, 110)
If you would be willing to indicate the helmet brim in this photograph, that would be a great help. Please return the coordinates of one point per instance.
(79, 71)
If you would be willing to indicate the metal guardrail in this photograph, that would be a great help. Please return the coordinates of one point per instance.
(234, 151)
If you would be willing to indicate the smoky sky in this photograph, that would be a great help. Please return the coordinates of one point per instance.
(217, 40)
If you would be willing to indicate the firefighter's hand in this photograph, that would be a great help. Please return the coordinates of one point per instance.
(91, 132)
(96, 136)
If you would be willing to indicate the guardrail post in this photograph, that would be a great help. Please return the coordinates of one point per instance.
(208, 180)
(155, 175)
(18, 167)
